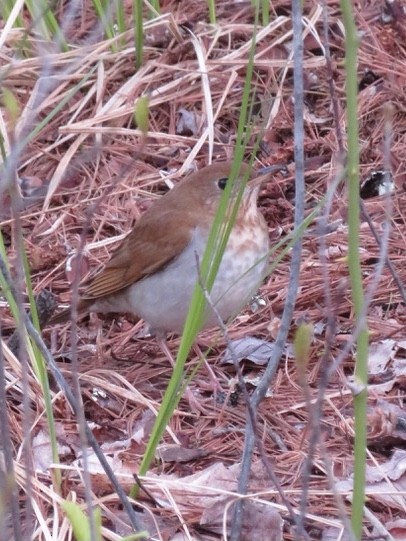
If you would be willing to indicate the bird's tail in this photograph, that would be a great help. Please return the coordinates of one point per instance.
(66, 314)
(61, 317)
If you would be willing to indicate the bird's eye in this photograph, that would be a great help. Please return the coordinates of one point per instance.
(222, 183)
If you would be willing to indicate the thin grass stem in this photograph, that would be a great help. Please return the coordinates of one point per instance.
(354, 263)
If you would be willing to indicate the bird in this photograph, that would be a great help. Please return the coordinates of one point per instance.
(153, 272)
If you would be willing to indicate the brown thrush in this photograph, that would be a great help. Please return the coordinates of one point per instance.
(154, 270)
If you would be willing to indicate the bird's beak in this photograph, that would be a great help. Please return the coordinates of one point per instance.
(273, 168)
(264, 174)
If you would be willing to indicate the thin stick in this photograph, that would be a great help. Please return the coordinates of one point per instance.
(64, 387)
(279, 345)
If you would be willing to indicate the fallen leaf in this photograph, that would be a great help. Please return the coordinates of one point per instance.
(187, 123)
(42, 451)
(397, 529)
(379, 355)
(260, 521)
(385, 483)
(253, 349)
(177, 453)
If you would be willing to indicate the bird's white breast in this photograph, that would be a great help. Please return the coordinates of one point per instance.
(162, 299)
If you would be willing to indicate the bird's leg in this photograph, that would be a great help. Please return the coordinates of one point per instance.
(215, 384)
(194, 404)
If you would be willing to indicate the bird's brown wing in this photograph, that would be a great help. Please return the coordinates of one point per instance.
(156, 239)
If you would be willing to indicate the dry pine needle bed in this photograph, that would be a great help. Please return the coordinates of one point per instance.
(92, 151)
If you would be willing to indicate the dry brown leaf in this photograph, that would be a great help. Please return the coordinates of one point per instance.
(260, 521)
(385, 483)
(397, 529)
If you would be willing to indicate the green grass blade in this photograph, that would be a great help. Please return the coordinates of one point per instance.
(6, 8)
(58, 107)
(218, 238)
(102, 8)
(45, 21)
(361, 366)
(138, 32)
(156, 9)
(212, 11)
